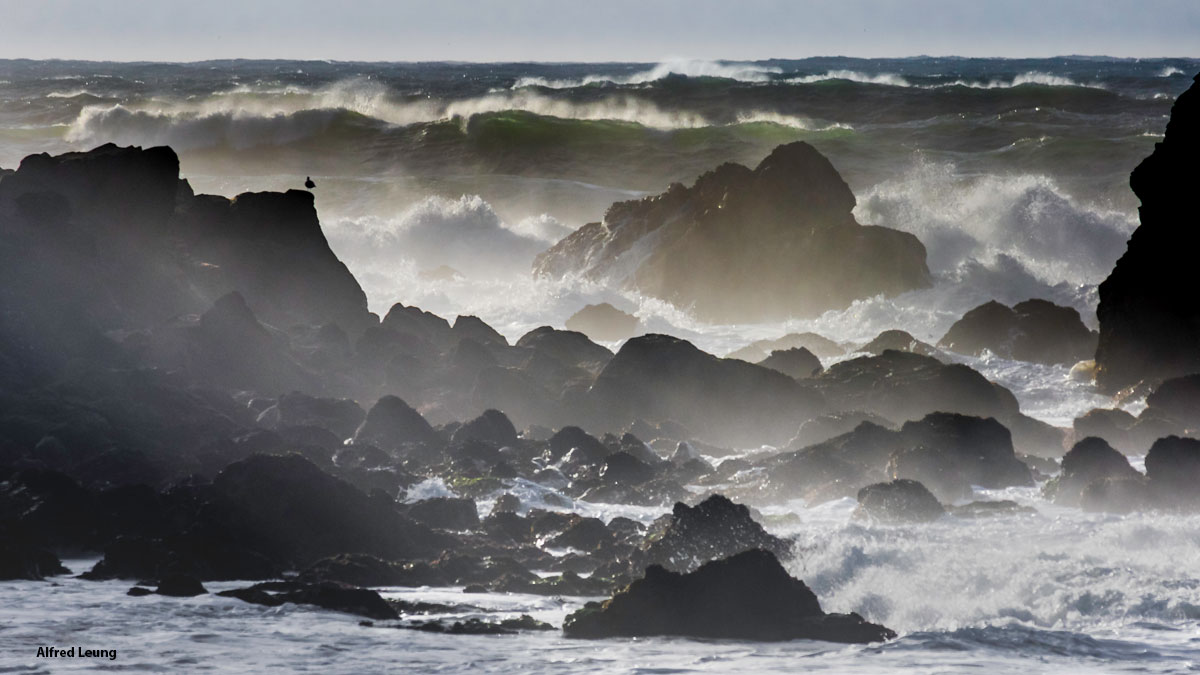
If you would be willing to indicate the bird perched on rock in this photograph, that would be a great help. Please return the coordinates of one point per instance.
(308, 182)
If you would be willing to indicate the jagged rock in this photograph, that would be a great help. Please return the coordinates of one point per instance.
(359, 569)
(900, 500)
(949, 453)
(822, 347)
(746, 245)
(714, 528)
(492, 427)
(798, 363)
(900, 341)
(1034, 330)
(1173, 469)
(603, 322)
(21, 559)
(585, 534)
(445, 513)
(392, 423)
(327, 595)
(748, 596)
(569, 348)
(573, 438)
(622, 468)
(1091, 460)
(724, 401)
(1149, 320)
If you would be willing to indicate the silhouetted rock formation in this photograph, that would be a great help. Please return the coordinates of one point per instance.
(949, 453)
(798, 363)
(821, 347)
(745, 245)
(327, 595)
(604, 322)
(1149, 313)
(1035, 330)
(898, 340)
(659, 377)
(745, 597)
(1091, 460)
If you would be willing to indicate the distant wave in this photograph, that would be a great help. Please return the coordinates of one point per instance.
(743, 72)
(1169, 71)
(894, 80)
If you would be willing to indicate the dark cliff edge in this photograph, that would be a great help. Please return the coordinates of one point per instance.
(1149, 311)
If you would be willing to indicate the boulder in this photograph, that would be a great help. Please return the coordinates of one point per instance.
(1090, 460)
(474, 328)
(1178, 401)
(714, 528)
(604, 322)
(21, 559)
(745, 245)
(798, 363)
(749, 596)
(723, 401)
(297, 409)
(492, 426)
(825, 427)
(1034, 330)
(949, 453)
(391, 424)
(569, 348)
(1149, 319)
(445, 513)
(900, 500)
(180, 586)
(1173, 469)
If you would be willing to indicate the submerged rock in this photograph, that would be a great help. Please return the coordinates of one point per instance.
(327, 595)
(748, 245)
(748, 596)
(1149, 316)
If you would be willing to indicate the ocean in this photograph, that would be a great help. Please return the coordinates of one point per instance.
(1012, 172)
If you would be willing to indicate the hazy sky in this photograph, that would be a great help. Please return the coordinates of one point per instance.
(595, 30)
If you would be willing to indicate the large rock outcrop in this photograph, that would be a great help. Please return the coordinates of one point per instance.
(749, 596)
(1149, 313)
(747, 245)
(1035, 330)
(726, 401)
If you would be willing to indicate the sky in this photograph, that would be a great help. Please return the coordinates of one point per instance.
(594, 30)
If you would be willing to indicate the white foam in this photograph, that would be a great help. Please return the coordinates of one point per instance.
(743, 72)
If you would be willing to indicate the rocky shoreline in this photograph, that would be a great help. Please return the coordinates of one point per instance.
(194, 387)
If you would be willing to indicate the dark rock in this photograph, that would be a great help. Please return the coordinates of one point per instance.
(748, 596)
(180, 586)
(825, 427)
(1035, 330)
(1092, 459)
(570, 348)
(1177, 400)
(622, 468)
(900, 341)
(1149, 321)
(392, 423)
(725, 401)
(359, 569)
(1112, 425)
(474, 328)
(139, 592)
(340, 416)
(714, 528)
(949, 453)
(990, 509)
(1117, 495)
(445, 513)
(743, 245)
(798, 363)
(585, 534)
(573, 438)
(21, 559)
(492, 426)
(1173, 469)
(327, 595)
(822, 347)
(900, 500)
(604, 322)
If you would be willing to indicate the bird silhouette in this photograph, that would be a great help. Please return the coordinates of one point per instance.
(308, 182)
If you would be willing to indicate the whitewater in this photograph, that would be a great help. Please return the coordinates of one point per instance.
(439, 183)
